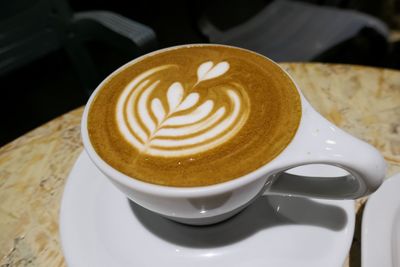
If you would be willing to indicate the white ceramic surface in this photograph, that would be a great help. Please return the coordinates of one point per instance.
(100, 227)
(381, 226)
(317, 141)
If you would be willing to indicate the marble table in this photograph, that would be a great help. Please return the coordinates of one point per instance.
(33, 168)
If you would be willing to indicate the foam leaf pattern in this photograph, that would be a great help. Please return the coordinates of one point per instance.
(176, 122)
(158, 109)
(175, 95)
(208, 70)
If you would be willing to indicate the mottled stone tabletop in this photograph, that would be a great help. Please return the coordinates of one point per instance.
(33, 168)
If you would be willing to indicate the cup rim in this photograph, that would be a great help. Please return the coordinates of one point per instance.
(173, 191)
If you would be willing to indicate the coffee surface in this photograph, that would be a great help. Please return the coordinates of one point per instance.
(194, 115)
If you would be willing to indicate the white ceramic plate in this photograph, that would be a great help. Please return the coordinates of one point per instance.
(100, 227)
(381, 226)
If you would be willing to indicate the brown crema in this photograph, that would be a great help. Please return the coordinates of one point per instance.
(194, 115)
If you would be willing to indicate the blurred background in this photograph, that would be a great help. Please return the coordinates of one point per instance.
(53, 53)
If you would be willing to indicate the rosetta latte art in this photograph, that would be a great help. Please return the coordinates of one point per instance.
(183, 121)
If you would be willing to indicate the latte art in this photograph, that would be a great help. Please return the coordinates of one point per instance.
(180, 122)
(193, 115)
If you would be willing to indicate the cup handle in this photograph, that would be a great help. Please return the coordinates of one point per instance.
(318, 141)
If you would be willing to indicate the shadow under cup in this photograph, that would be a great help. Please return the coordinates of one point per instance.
(266, 212)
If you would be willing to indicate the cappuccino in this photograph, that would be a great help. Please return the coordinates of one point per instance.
(194, 115)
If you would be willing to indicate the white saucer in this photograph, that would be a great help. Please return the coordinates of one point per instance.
(100, 227)
(381, 226)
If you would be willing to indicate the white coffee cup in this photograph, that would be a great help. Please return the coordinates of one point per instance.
(317, 141)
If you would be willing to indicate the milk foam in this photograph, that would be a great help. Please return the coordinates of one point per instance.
(181, 123)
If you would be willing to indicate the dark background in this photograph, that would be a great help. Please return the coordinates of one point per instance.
(48, 87)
